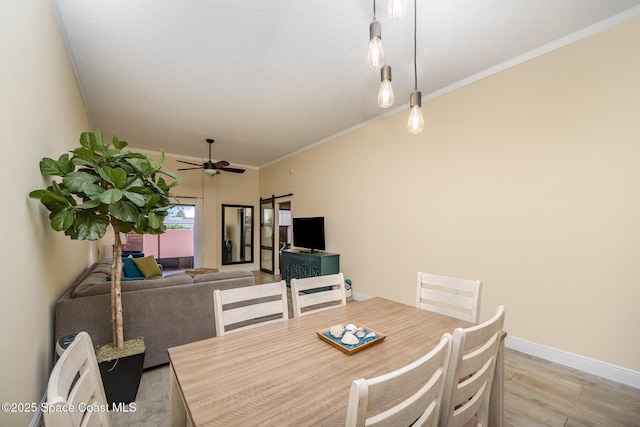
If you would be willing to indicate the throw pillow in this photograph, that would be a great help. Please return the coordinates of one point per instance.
(130, 269)
(148, 266)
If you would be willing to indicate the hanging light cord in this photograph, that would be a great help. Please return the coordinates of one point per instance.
(374, 10)
(415, 65)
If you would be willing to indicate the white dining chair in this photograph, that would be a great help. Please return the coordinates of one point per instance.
(409, 396)
(75, 381)
(471, 370)
(459, 298)
(249, 306)
(312, 294)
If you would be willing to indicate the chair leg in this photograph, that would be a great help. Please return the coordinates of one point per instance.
(496, 401)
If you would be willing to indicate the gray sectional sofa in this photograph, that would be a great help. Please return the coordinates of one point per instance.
(167, 311)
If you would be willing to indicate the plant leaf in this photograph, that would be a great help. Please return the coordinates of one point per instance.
(77, 181)
(153, 201)
(39, 194)
(110, 196)
(118, 143)
(171, 175)
(49, 198)
(125, 227)
(116, 176)
(136, 182)
(85, 141)
(89, 204)
(124, 211)
(49, 167)
(62, 219)
(65, 165)
(154, 221)
(89, 226)
(95, 140)
(93, 191)
(136, 198)
(161, 161)
(62, 192)
(141, 224)
(83, 157)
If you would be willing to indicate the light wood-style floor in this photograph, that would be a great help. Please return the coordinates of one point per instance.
(537, 393)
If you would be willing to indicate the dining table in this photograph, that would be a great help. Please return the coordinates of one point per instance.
(284, 374)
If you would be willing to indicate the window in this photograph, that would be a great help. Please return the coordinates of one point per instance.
(174, 248)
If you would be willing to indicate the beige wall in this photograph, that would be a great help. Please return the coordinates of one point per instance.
(528, 180)
(41, 114)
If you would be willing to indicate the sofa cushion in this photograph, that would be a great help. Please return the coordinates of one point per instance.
(104, 287)
(221, 275)
(148, 266)
(102, 267)
(130, 269)
(89, 281)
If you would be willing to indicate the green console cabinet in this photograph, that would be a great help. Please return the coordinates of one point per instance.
(298, 264)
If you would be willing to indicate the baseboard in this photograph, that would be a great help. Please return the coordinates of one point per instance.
(359, 297)
(576, 361)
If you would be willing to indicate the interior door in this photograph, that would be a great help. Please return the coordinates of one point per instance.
(267, 223)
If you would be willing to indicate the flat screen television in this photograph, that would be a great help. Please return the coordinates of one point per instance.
(308, 233)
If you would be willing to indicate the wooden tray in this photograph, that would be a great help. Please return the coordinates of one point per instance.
(325, 335)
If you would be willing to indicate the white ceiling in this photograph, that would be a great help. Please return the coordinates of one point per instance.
(268, 78)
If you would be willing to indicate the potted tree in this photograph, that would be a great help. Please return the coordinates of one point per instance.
(101, 185)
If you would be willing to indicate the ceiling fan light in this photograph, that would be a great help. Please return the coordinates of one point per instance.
(211, 172)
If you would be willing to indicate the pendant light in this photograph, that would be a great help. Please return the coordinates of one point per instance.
(416, 120)
(397, 8)
(375, 56)
(415, 124)
(385, 96)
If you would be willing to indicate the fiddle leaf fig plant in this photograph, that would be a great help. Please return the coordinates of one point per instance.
(104, 184)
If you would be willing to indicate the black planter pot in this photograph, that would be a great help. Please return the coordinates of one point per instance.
(121, 378)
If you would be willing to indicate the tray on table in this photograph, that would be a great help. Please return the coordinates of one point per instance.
(363, 343)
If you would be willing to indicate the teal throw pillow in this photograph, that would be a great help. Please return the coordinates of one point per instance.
(130, 269)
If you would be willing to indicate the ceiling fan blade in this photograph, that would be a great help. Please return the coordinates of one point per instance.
(221, 164)
(234, 170)
(188, 169)
(189, 163)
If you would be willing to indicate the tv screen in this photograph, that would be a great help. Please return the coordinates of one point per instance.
(308, 233)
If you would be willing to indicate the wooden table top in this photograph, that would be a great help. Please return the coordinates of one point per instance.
(284, 374)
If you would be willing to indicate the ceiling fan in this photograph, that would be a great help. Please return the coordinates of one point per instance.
(211, 168)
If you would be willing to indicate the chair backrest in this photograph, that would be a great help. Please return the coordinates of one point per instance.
(250, 306)
(459, 298)
(414, 391)
(76, 381)
(319, 293)
(473, 361)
